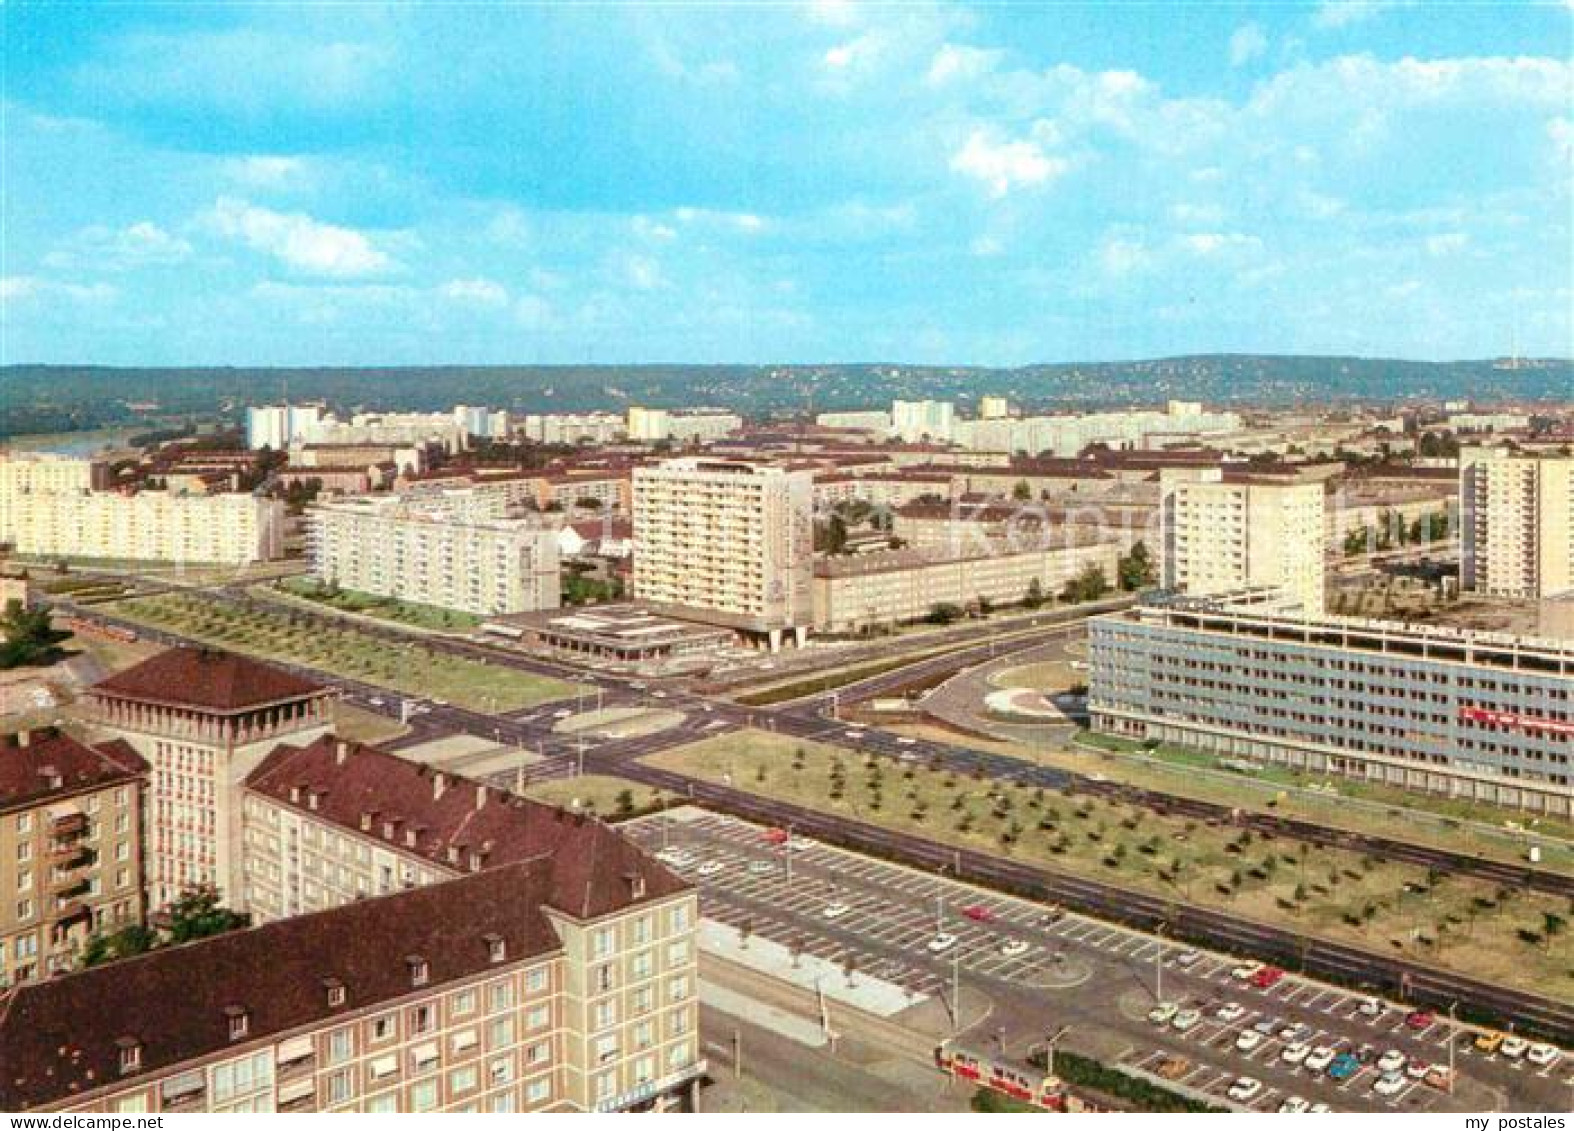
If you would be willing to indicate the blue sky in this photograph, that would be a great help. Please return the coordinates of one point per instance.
(920, 182)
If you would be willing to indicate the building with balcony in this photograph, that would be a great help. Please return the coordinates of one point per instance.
(70, 849)
(1475, 715)
(1516, 524)
(727, 542)
(203, 720)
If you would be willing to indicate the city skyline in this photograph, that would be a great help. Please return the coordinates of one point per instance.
(929, 183)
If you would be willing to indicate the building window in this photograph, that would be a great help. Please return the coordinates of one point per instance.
(238, 1022)
(539, 1053)
(423, 1095)
(341, 1045)
(462, 1079)
(538, 1091)
(501, 1070)
(130, 1057)
(500, 996)
(536, 980)
(464, 1003)
(418, 970)
(601, 943)
(537, 1017)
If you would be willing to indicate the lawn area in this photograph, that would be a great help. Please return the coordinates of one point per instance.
(412, 668)
(1499, 935)
(598, 793)
(384, 608)
(356, 725)
(1045, 675)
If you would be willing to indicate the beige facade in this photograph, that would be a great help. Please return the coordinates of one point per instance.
(152, 526)
(681, 426)
(726, 541)
(437, 553)
(70, 850)
(1222, 531)
(1516, 524)
(24, 474)
(896, 586)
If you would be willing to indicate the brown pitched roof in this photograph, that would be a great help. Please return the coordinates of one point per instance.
(454, 818)
(59, 1038)
(208, 679)
(27, 772)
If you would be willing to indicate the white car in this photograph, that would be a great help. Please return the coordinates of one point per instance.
(1230, 1011)
(1514, 1047)
(799, 844)
(1011, 948)
(1389, 1084)
(1245, 1088)
(710, 868)
(761, 868)
(1319, 1109)
(1319, 1058)
(904, 741)
(563, 714)
(1543, 1055)
(1295, 1105)
(941, 943)
(1370, 1007)
(1249, 1041)
(1162, 1013)
(1391, 1061)
(1245, 970)
(1296, 1053)
(853, 735)
(1187, 958)
(1186, 1020)
(834, 910)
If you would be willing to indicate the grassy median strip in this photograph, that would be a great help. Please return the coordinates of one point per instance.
(1497, 934)
(411, 668)
(611, 798)
(1144, 1095)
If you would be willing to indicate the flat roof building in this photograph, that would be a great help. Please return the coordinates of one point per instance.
(1516, 524)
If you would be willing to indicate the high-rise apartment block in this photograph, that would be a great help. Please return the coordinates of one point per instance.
(1223, 529)
(280, 426)
(728, 542)
(70, 849)
(1516, 524)
(913, 421)
(446, 551)
(148, 526)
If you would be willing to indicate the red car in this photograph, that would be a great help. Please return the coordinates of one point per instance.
(776, 836)
(979, 913)
(1419, 1019)
(1267, 977)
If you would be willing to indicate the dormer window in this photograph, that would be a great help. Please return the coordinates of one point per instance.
(239, 1021)
(496, 948)
(636, 885)
(418, 969)
(130, 1055)
(336, 994)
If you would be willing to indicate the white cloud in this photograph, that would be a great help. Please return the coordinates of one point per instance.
(1246, 44)
(18, 288)
(511, 227)
(1446, 243)
(1215, 243)
(748, 223)
(143, 244)
(265, 171)
(833, 13)
(650, 229)
(986, 247)
(1005, 165)
(956, 61)
(642, 272)
(475, 292)
(297, 240)
(1123, 255)
(1334, 14)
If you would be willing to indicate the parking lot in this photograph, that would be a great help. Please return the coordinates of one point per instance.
(923, 931)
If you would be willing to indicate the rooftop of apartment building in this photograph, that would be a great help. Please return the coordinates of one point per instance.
(38, 766)
(68, 1036)
(873, 562)
(458, 823)
(974, 507)
(207, 679)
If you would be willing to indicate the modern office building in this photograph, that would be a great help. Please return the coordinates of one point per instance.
(727, 542)
(1222, 530)
(148, 526)
(1516, 524)
(1474, 715)
(563, 981)
(203, 720)
(70, 849)
(887, 587)
(447, 551)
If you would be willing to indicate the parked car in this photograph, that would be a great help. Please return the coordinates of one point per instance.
(1296, 1032)
(1294, 1105)
(774, 836)
(1244, 1089)
(1389, 1084)
(1319, 1109)
(1187, 958)
(1162, 1013)
(979, 913)
(834, 910)
(1229, 1011)
(1344, 1066)
(941, 943)
(1543, 1055)
(1514, 1047)
(1440, 1078)
(1371, 1007)
(1011, 948)
(1267, 978)
(761, 868)
(1417, 1069)
(1391, 1061)
(1419, 1019)
(1174, 1067)
(1488, 1042)
(1186, 1020)
(710, 868)
(1320, 1058)
(1248, 1041)
(1295, 1053)
(1245, 971)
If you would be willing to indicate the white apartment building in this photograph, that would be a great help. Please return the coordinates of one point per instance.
(430, 553)
(859, 420)
(681, 425)
(279, 426)
(148, 526)
(1516, 524)
(1068, 435)
(1223, 530)
(912, 421)
(728, 542)
(993, 408)
(44, 473)
(574, 427)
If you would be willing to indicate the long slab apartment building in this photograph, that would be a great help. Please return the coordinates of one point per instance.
(1475, 715)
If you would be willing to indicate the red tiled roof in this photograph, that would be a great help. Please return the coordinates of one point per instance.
(590, 862)
(208, 679)
(58, 1038)
(26, 771)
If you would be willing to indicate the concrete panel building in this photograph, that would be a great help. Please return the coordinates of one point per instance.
(148, 526)
(727, 542)
(1516, 524)
(1473, 715)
